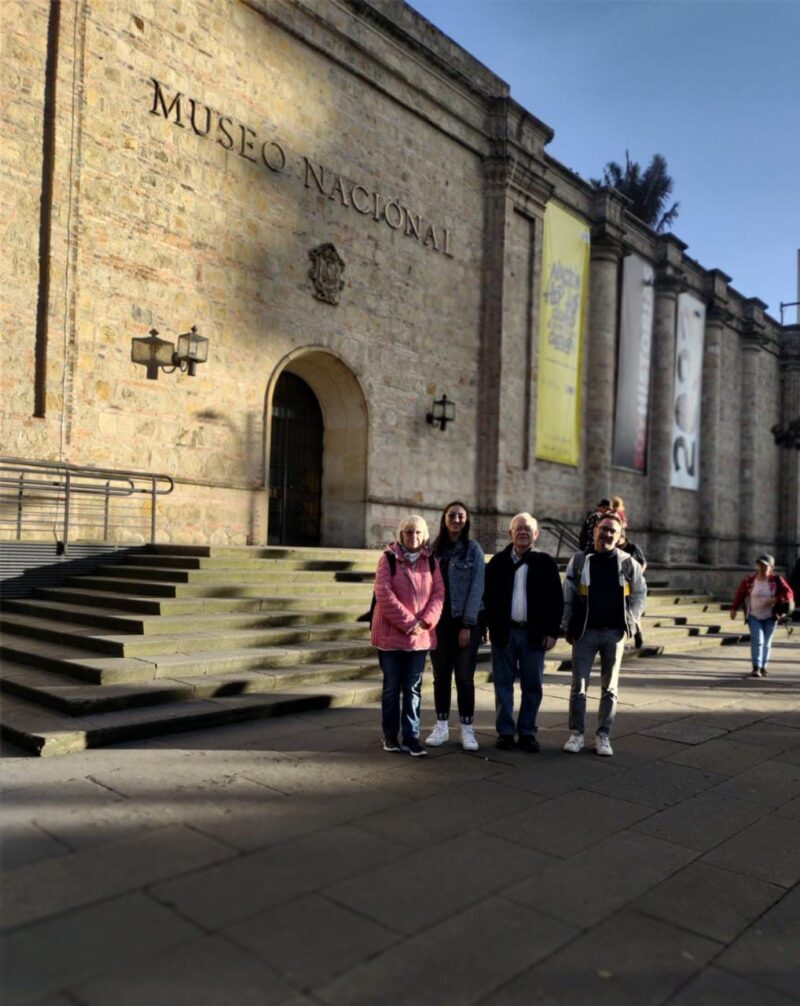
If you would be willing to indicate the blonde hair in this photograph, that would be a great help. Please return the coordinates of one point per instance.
(617, 503)
(419, 520)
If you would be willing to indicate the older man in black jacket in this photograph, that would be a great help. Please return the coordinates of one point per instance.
(524, 603)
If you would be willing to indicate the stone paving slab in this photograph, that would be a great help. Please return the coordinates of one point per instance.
(715, 987)
(587, 887)
(292, 861)
(311, 940)
(709, 901)
(767, 951)
(59, 952)
(702, 822)
(59, 885)
(159, 980)
(462, 960)
(629, 961)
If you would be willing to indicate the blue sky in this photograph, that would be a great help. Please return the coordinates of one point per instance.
(714, 85)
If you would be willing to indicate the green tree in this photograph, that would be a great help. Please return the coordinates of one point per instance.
(648, 190)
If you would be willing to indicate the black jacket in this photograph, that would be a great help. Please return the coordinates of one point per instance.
(544, 594)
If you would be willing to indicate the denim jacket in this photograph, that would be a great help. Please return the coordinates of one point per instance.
(465, 573)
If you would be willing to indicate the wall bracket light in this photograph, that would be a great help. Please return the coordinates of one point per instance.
(443, 412)
(159, 354)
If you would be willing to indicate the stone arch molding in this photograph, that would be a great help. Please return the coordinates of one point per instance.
(345, 441)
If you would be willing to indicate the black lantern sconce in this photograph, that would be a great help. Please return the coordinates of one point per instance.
(788, 435)
(159, 354)
(444, 412)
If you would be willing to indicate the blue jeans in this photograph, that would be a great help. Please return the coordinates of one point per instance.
(609, 643)
(761, 630)
(517, 655)
(402, 674)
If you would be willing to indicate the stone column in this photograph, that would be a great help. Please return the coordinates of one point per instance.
(717, 317)
(752, 343)
(669, 281)
(601, 343)
(789, 496)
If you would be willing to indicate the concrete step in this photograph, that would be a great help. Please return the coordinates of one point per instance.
(47, 732)
(268, 552)
(122, 602)
(216, 588)
(252, 562)
(79, 662)
(117, 620)
(268, 573)
(53, 691)
(197, 638)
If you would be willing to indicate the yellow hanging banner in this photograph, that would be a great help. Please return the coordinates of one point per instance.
(565, 281)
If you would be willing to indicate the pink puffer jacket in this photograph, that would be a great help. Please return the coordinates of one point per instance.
(412, 595)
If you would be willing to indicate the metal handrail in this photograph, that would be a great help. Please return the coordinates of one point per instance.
(43, 494)
(563, 532)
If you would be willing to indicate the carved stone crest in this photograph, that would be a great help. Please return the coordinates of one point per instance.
(326, 273)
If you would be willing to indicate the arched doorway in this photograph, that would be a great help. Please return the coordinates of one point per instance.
(315, 402)
(295, 464)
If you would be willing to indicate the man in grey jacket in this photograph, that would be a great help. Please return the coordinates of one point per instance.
(604, 597)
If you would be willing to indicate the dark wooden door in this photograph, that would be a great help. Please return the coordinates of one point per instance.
(295, 467)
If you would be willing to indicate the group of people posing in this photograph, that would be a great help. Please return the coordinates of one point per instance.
(441, 598)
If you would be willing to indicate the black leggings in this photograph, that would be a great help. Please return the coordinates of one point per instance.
(449, 657)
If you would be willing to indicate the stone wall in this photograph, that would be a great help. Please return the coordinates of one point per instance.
(203, 149)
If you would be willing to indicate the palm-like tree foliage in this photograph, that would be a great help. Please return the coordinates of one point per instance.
(648, 190)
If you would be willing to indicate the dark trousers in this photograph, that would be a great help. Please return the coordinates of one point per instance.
(402, 681)
(448, 659)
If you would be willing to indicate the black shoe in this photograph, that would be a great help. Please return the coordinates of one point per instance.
(414, 748)
(755, 673)
(505, 742)
(390, 744)
(528, 742)
(763, 672)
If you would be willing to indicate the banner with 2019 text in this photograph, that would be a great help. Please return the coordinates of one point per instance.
(565, 280)
(689, 338)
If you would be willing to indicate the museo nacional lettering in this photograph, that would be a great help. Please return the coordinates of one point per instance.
(240, 138)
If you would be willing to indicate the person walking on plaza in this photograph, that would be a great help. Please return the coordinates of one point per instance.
(409, 593)
(766, 596)
(523, 603)
(604, 596)
(458, 635)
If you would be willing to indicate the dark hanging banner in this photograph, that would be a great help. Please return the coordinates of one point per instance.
(633, 369)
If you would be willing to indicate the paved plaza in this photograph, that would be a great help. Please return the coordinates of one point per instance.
(292, 862)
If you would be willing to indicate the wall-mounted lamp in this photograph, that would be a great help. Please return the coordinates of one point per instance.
(788, 435)
(159, 354)
(444, 412)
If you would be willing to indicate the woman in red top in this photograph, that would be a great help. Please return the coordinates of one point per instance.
(409, 594)
(760, 593)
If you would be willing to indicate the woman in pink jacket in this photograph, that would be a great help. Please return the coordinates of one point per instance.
(409, 593)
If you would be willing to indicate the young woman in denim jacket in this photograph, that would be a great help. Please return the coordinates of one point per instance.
(458, 634)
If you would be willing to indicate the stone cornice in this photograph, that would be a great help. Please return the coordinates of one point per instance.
(608, 223)
(670, 265)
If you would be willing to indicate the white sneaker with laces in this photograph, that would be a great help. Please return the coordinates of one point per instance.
(468, 740)
(602, 746)
(575, 743)
(439, 735)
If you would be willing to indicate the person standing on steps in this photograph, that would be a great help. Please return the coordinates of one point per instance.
(409, 593)
(458, 635)
(523, 603)
(760, 594)
(604, 597)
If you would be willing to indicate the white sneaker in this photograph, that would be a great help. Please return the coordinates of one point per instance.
(602, 746)
(439, 735)
(574, 744)
(468, 740)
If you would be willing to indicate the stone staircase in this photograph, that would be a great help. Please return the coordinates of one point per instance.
(182, 637)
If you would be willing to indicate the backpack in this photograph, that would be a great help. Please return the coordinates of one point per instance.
(391, 558)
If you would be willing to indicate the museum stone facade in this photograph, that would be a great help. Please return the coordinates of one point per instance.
(353, 211)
